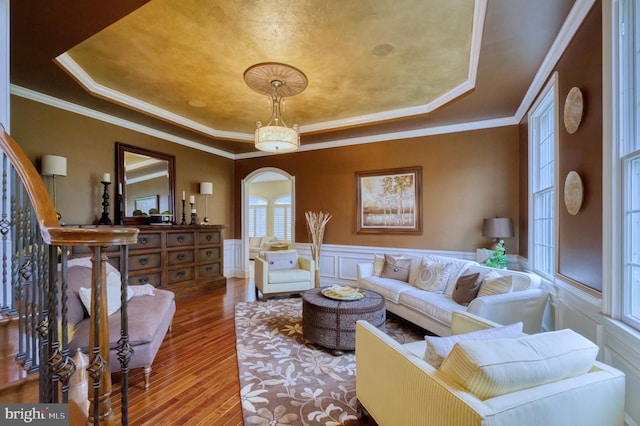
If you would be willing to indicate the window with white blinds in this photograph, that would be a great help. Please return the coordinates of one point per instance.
(626, 154)
(542, 166)
(282, 218)
(257, 217)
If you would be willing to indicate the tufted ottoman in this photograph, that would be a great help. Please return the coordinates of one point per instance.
(332, 323)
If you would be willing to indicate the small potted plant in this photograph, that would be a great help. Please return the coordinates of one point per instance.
(497, 259)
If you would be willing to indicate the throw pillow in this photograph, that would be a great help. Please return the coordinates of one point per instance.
(439, 347)
(433, 277)
(495, 285)
(489, 368)
(113, 294)
(467, 288)
(395, 268)
(281, 259)
(378, 265)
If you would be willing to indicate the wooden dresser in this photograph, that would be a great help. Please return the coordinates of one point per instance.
(187, 260)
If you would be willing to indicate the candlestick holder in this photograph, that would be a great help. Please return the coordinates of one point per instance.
(104, 220)
(194, 218)
(184, 215)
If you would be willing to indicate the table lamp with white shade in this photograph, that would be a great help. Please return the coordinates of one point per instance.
(206, 188)
(54, 165)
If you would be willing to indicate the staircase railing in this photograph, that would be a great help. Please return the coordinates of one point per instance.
(35, 289)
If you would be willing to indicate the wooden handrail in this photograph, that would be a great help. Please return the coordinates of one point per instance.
(97, 238)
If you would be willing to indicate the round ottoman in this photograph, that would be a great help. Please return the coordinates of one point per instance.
(332, 323)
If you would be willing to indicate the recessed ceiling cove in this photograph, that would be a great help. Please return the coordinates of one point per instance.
(183, 60)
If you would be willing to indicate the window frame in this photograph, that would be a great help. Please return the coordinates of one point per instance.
(548, 97)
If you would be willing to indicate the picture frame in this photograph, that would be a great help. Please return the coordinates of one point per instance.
(389, 201)
(147, 203)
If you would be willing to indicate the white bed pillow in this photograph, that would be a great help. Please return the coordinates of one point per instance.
(113, 294)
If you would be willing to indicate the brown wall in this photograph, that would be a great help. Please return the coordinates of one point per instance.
(89, 146)
(467, 176)
(579, 236)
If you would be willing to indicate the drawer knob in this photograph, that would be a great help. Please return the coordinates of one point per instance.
(143, 280)
(209, 237)
(181, 273)
(209, 268)
(209, 253)
(180, 256)
(180, 238)
(144, 260)
(143, 240)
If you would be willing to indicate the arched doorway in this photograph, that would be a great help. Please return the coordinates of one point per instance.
(274, 189)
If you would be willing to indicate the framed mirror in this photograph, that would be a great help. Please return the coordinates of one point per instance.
(146, 181)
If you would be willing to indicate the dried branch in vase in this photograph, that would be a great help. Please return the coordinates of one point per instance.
(315, 229)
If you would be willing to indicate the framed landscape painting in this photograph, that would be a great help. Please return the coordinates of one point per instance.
(389, 201)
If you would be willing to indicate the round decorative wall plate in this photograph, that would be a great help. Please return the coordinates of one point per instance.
(573, 193)
(573, 110)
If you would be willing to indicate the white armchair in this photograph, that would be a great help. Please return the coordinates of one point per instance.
(395, 385)
(281, 272)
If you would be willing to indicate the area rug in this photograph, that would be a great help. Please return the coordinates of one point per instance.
(286, 379)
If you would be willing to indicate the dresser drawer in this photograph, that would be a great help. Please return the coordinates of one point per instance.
(177, 239)
(145, 241)
(208, 254)
(210, 270)
(153, 279)
(182, 256)
(178, 275)
(144, 261)
(205, 238)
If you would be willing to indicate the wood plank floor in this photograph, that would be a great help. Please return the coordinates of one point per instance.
(195, 373)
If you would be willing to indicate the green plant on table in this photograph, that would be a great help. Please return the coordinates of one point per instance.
(498, 258)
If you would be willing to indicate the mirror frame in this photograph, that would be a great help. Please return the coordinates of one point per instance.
(121, 148)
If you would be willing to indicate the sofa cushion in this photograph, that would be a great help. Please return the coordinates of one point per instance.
(396, 268)
(289, 275)
(255, 241)
(113, 294)
(389, 288)
(378, 264)
(286, 259)
(438, 306)
(433, 276)
(495, 284)
(458, 266)
(467, 288)
(489, 368)
(439, 347)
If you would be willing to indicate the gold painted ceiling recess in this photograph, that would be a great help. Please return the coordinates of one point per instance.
(277, 81)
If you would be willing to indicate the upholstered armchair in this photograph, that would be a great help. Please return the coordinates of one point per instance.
(281, 272)
(258, 244)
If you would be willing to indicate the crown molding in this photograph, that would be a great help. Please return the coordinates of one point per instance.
(87, 112)
(577, 14)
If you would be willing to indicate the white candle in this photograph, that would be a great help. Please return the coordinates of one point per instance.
(120, 188)
(183, 195)
(106, 177)
(192, 199)
(193, 210)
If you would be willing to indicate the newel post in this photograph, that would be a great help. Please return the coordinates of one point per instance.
(99, 371)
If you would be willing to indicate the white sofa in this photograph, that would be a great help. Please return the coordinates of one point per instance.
(260, 244)
(410, 391)
(432, 310)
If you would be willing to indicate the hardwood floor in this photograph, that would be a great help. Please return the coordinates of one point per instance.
(195, 373)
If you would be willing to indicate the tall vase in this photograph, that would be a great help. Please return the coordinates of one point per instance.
(315, 228)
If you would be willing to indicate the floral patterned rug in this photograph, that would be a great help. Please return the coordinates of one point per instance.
(287, 380)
